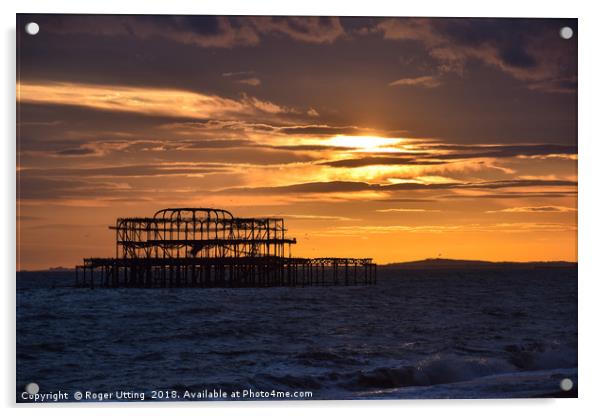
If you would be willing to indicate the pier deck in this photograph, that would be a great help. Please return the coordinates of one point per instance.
(225, 272)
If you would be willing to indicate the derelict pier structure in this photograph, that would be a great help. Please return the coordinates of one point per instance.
(206, 247)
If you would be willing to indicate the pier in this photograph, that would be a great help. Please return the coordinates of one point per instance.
(206, 247)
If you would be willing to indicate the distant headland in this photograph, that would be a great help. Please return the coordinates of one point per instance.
(439, 263)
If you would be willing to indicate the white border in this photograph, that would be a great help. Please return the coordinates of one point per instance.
(590, 150)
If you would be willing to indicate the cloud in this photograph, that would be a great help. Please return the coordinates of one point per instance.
(243, 77)
(200, 31)
(409, 200)
(238, 73)
(320, 129)
(425, 81)
(30, 187)
(481, 184)
(243, 126)
(437, 154)
(511, 195)
(179, 147)
(391, 229)
(250, 81)
(145, 100)
(310, 187)
(528, 50)
(371, 161)
(310, 217)
(304, 29)
(350, 186)
(311, 147)
(519, 227)
(558, 85)
(407, 210)
(265, 106)
(539, 209)
(502, 151)
(312, 112)
(76, 151)
(29, 218)
(214, 144)
(138, 170)
(98, 148)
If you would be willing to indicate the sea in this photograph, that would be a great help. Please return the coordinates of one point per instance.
(417, 334)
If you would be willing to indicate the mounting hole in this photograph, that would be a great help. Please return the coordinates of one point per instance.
(32, 28)
(566, 384)
(32, 388)
(566, 32)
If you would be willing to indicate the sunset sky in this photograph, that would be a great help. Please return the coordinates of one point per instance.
(392, 138)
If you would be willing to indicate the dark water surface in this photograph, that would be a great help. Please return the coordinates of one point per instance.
(417, 334)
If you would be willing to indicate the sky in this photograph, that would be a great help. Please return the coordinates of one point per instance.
(392, 138)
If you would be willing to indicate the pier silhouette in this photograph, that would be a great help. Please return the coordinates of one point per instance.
(207, 247)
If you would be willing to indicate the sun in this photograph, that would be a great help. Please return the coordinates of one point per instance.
(366, 143)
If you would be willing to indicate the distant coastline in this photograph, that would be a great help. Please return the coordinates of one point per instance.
(446, 264)
(425, 264)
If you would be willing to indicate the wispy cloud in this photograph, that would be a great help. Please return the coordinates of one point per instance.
(237, 73)
(250, 81)
(512, 195)
(425, 81)
(312, 217)
(371, 161)
(243, 77)
(539, 209)
(407, 210)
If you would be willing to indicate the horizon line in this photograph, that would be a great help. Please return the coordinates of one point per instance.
(575, 262)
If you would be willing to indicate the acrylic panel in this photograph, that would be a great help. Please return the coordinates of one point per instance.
(295, 208)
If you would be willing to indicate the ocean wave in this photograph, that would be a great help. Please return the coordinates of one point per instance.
(437, 369)
(541, 356)
(328, 357)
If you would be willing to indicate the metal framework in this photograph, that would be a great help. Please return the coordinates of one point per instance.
(206, 247)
